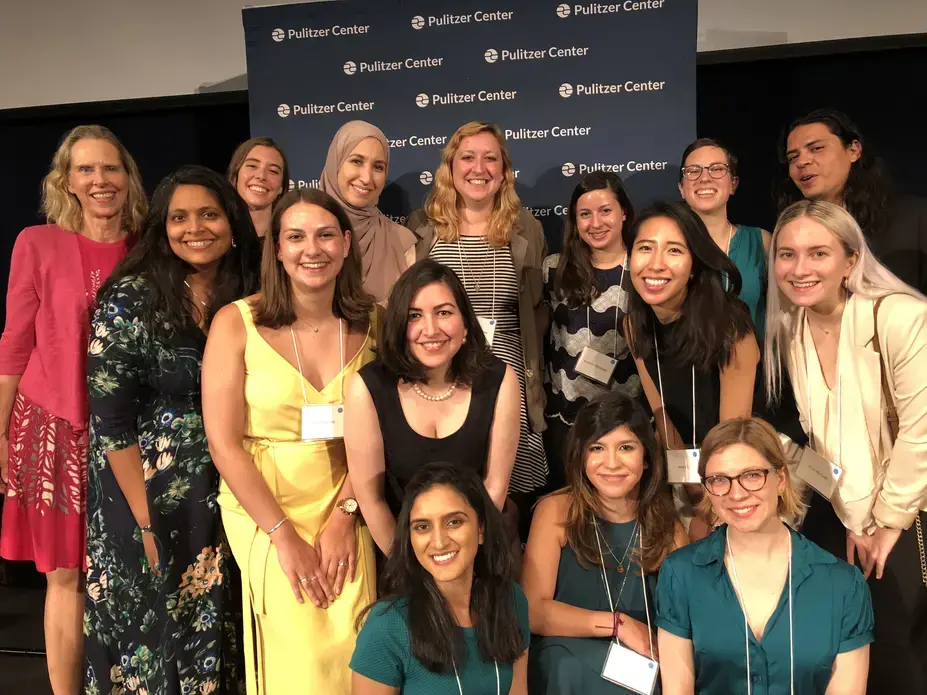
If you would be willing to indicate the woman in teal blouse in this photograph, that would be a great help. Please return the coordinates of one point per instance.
(452, 620)
(809, 614)
(707, 180)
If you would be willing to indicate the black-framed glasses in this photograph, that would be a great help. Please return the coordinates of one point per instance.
(752, 480)
(716, 171)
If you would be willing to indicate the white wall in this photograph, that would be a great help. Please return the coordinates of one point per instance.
(67, 51)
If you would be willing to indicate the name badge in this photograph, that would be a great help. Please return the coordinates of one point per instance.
(818, 472)
(323, 421)
(682, 466)
(489, 329)
(627, 668)
(596, 366)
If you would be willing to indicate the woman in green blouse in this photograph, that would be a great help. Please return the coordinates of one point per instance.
(452, 620)
(809, 614)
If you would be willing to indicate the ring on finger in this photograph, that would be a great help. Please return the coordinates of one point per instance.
(304, 580)
(342, 563)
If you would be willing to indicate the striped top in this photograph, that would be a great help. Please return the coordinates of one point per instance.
(599, 326)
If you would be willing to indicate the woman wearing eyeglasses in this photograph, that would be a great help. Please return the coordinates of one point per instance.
(707, 180)
(756, 607)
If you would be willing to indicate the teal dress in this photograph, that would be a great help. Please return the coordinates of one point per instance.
(383, 653)
(573, 665)
(747, 253)
(831, 610)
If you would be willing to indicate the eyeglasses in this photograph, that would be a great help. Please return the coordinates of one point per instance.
(752, 480)
(716, 171)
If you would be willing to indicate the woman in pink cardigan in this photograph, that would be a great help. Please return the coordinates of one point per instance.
(94, 202)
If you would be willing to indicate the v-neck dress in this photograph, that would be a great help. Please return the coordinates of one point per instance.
(294, 642)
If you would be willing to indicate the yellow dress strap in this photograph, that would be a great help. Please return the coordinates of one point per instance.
(245, 310)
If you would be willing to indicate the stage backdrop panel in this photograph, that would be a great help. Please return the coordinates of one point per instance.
(576, 87)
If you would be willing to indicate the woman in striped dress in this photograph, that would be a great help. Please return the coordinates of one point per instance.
(478, 227)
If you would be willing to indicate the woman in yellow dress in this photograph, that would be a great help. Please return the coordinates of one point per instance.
(273, 393)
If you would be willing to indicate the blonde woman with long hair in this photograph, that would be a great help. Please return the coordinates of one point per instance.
(853, 338)
(94, 204)
(478, 227)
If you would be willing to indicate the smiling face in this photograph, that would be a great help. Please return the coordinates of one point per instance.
(599, 219)
(743, 510)
(198, 229)
(445, 533)
(661, 264)
(363, 174)
(819, 163)
(707, 194)
(311, 246)
(477, 169)
(811, 264)
(260, 178)
(615, 464)
(97, 178)
(435, 329)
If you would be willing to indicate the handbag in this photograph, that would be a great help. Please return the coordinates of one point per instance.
(893, 422)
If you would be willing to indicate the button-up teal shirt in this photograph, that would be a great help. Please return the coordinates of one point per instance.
(831, 610)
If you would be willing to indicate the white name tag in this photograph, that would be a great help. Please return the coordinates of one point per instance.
(627, 668)
(818, 472)
(596, 366)
(682, 466)
(323, 421)
(489, 329)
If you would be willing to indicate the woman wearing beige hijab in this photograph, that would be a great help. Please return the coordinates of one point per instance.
(354, 174)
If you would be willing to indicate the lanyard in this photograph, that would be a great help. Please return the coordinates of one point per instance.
(656, 349)
(498, 682)
(804, 345)
(727, 252)
(614, 607)
(299, 365)
(463, 268)
(588, 324)
(743, 602)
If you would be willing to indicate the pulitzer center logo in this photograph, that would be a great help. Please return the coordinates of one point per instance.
(426, 178)
(277, 35)
(568, 169)
(283, 110)
(563, 11)
(350, 67)
(566, 90)
(491, 55)
(418, 22)
(422, 101)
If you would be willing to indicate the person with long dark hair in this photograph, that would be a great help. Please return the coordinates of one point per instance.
(274, 379)
(691, 336)
(825, 157)
(581, 598)
(450, 620)
(158, 613)
(586, 286)
(708, 177)
(435, 391)
(260, 173)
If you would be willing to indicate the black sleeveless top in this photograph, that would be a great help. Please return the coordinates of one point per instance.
(406, 450)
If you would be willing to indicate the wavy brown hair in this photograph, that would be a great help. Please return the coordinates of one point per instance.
(61, 207)
(655, 510)
(443, 202)
(274, 306)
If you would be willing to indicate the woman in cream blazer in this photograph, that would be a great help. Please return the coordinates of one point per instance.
(854, 340)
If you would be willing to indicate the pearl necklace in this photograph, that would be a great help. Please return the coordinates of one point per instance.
(443, 397)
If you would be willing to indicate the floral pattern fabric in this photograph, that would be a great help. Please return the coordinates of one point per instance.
(178, 633)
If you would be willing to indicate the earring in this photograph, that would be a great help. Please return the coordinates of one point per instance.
(464, 341)
(234, 244)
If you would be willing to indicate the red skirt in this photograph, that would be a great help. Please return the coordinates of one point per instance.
(44, 515)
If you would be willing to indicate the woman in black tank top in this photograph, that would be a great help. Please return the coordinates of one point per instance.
(434, 393)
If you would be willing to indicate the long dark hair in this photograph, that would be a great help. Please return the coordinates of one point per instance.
(275, 306)
(437, 639)
(655, 510)
(574, 282)
(713, 319)
(868, 191)
(153, 259)
(393, 348)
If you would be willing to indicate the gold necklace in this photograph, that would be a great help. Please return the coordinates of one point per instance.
(195, 295)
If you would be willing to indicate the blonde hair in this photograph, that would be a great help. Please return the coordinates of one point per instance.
(868, 278)
(760, 436)
(443, 201)
(61, 207)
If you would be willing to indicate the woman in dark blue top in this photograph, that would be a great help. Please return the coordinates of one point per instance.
(755, 607)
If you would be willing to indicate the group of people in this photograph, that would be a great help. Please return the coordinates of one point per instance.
(257, 437)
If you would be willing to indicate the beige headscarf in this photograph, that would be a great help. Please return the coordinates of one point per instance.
(383, 244)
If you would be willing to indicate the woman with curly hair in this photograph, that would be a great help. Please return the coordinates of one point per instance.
(478, 227)
(94, 203)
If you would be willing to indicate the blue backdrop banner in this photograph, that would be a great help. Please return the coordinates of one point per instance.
(575, 87)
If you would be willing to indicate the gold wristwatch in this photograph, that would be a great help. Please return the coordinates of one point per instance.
(348, 505)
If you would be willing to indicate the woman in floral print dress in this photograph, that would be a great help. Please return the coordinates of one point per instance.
(160, 618)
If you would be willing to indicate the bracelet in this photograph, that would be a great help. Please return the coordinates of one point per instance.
(278, 525)
(146, 528)
(618, 622)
